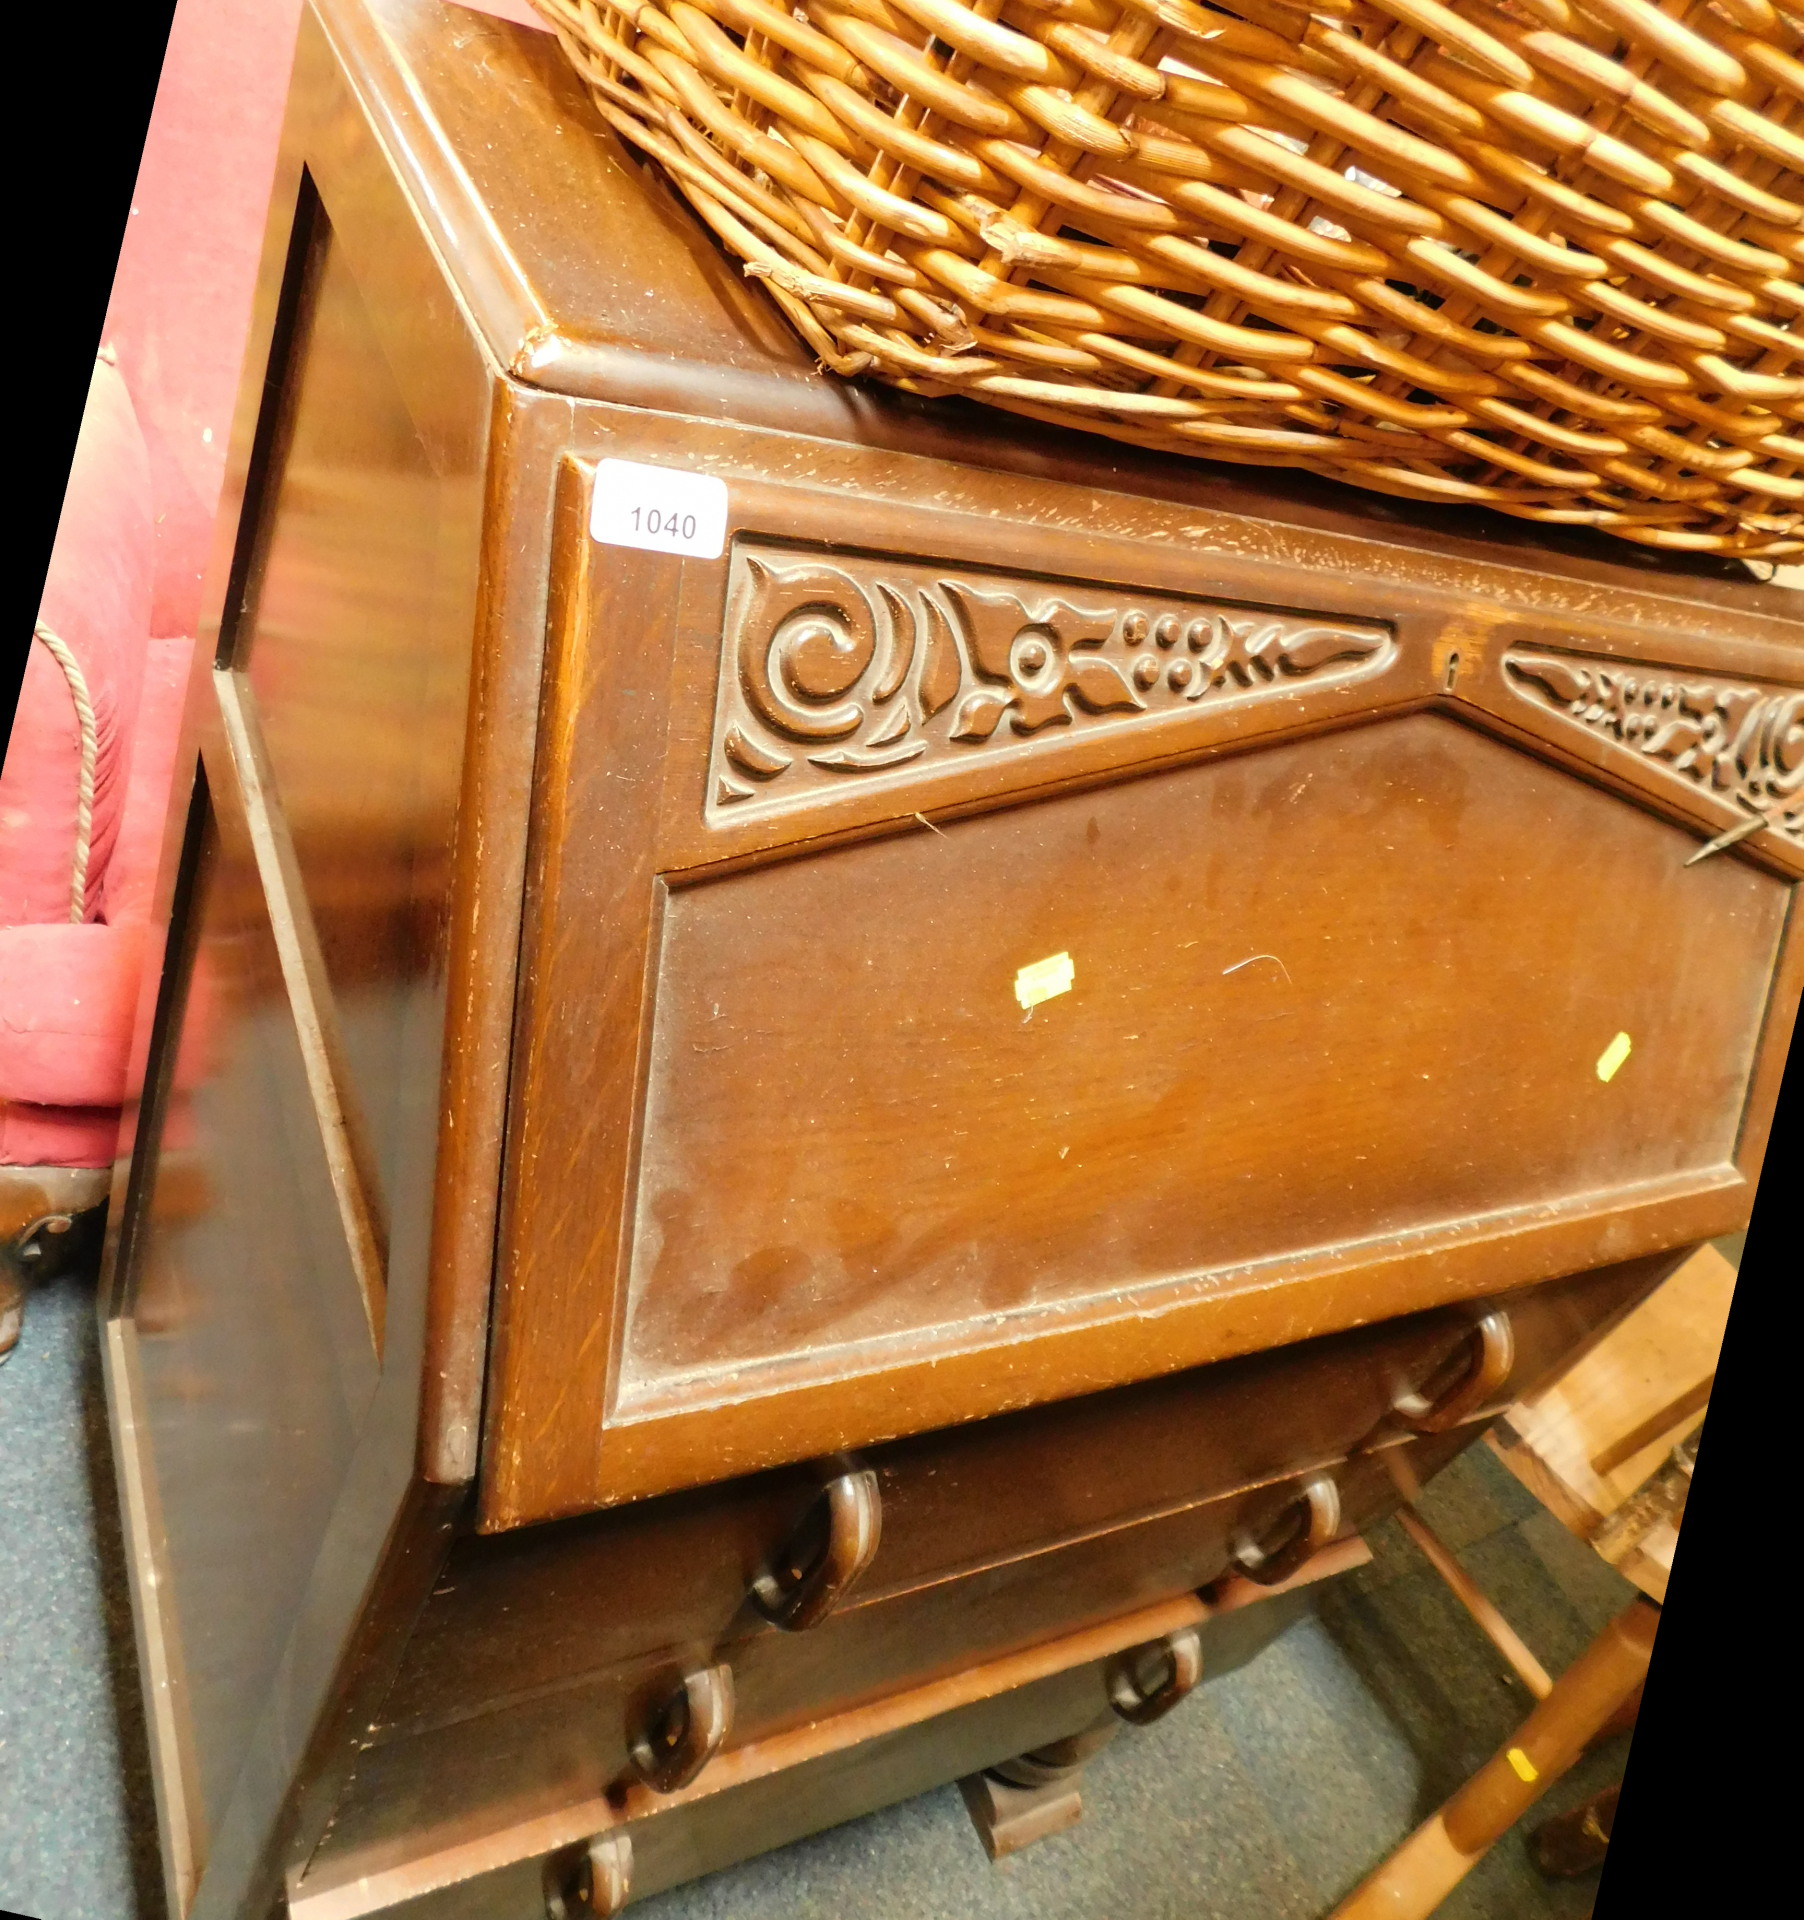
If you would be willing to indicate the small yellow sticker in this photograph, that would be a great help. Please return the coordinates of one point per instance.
(1044, 980)
(1525, 1768)
(1612, 1057)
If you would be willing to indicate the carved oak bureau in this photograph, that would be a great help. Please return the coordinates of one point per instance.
(819, 1058)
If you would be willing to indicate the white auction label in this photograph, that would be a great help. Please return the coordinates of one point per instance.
(659, 508)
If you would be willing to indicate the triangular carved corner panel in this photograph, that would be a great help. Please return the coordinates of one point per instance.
(1735, 738)
(849, 669)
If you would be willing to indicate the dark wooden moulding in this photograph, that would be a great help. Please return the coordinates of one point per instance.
(587, 1116)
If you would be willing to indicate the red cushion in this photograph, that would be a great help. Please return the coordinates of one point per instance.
(57, 1136)
(68, 996)
(97, 598)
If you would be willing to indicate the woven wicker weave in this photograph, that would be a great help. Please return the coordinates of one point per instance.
(1543, 255)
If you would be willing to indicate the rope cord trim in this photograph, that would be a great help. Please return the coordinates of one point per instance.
(60, 652)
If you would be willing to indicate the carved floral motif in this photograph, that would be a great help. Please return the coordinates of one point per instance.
(1741, 741)
(851, 667)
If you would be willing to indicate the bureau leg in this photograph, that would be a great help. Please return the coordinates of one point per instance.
(1035, 1794)
(1008, 1818)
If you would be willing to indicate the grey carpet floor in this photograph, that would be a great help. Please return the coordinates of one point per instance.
(1267, 1796)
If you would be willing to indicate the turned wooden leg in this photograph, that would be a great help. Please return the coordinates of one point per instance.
(1035, 1794)
(1621, 1721)
(1440, 1853)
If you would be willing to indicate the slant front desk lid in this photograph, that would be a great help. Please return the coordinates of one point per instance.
(971, 960)
(1008, 916)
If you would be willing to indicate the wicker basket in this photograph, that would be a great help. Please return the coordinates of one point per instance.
(1542, 255)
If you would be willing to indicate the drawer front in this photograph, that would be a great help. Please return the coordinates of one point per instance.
(542, 1607)
(511, 1769)
(1015, 1484)
(474, 1803)
(585, 1728)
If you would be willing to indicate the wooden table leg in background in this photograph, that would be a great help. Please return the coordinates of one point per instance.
(1621, 1721)
(1440, 1853)
(1494, 1626)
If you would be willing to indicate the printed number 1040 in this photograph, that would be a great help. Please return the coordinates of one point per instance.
(660, 509)
(657, 524)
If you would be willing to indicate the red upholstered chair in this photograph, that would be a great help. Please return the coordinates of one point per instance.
(68, 971)
(85, 784)
(107, 675)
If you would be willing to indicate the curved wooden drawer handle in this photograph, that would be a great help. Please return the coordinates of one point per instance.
(826, 1556)
(598, 1884)
(686, 1732)
(1180, 1654)
(1315, 1519)
(1493, 1343)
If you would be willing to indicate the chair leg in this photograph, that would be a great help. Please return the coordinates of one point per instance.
(49, 1218)
(1441, 1852)
(1574, 1843)
(1465, 1590)
(12, 1307)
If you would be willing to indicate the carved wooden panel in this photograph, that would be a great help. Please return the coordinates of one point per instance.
(1737, 738)
(838, 668)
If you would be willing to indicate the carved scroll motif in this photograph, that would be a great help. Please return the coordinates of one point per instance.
(1746, 743)
(836, 670)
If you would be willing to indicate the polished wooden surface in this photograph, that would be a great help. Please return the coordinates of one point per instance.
(353, 641)
(482, 1767)
(583, 278)
(270, 1242)
(244, 1228)
(447, 1818)
(482, 819)
(484, 1796)
(427, 1807)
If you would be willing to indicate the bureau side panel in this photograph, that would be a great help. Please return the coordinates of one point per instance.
(269, 1273)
